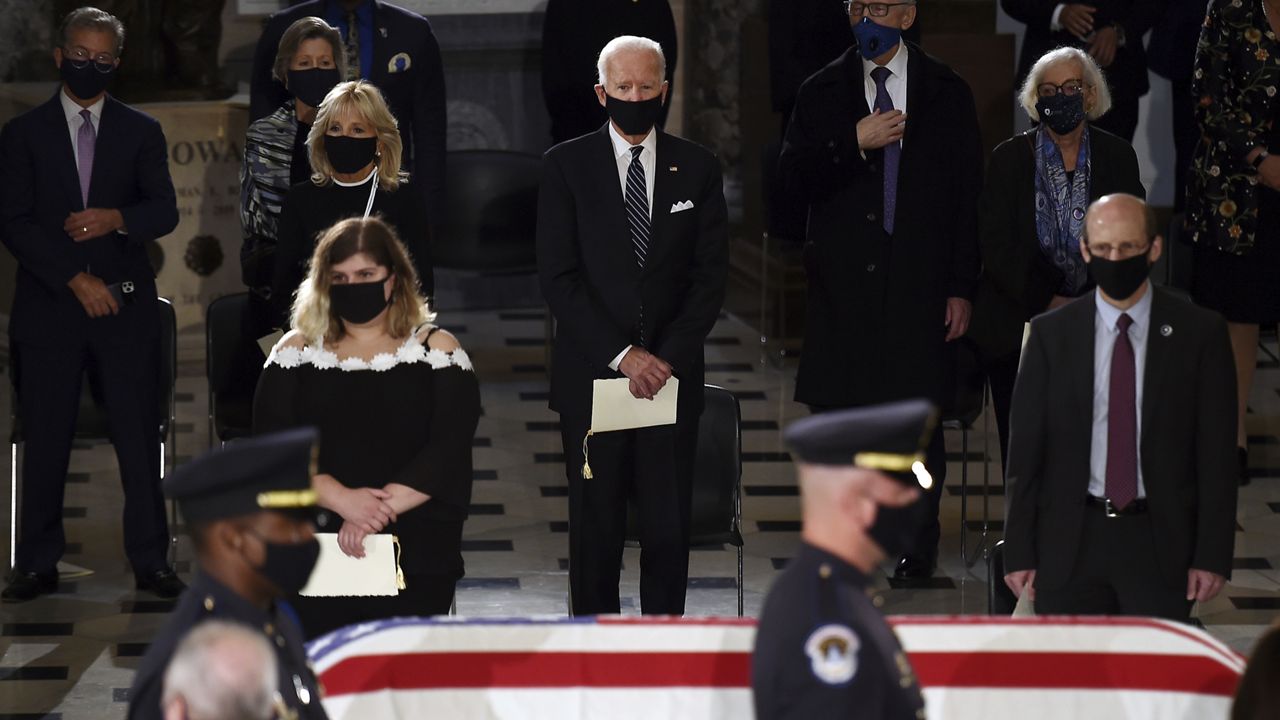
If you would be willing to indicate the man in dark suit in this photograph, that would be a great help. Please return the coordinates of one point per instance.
(633, 259)
(892, 249)
(85, 186)
(573, 31)
(1172, 55)
(392, 48)
(1110, 30)
(1121, 472)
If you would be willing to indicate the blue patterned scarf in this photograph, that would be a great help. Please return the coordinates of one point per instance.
(1060, 209)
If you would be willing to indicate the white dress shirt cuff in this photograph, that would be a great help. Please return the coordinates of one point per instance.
(1054, 25)
(617, 361)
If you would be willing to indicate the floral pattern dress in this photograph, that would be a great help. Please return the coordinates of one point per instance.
(1237, 78)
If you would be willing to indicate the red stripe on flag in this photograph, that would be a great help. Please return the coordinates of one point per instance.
(1083, 671)
(477, 670)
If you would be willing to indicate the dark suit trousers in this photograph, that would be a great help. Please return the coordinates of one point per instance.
(1116, 573)
(1122, 119)
(49, 381)
(935, 461)
(1002, 373)
(1186, 133)
(654, 468)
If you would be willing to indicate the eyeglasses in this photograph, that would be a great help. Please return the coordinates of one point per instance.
(79, 58)
(1070, 88)
(856, 9)
(1122, 251)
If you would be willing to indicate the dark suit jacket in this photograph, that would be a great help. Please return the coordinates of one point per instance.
(1127, 73)
(1171, 52)
(40, 187)
(414, 93)
(876, 306)
(1018, 281)
(573, 34)
(588, 271)
(1187, 444)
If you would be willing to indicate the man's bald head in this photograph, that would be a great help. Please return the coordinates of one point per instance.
(1122, 216)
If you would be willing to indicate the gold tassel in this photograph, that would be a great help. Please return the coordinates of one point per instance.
(586, 463)
(395, 540)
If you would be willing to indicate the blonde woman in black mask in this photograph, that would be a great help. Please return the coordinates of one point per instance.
(355, 149)
(396, 404)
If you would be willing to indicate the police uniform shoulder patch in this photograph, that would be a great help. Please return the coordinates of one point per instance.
(399, 62)
(833, 654)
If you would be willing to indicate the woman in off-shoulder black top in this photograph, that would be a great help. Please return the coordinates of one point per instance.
(395, 422)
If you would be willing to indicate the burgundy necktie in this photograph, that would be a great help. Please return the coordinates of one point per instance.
(1122, 421)
(85, 140)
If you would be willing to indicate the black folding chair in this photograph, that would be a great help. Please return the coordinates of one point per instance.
(1000, 599)
(91, 420)
(230, 401)
(966, 407)
(715, 516)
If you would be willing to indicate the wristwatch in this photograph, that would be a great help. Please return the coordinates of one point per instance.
(1120, 38)
(1257, 159)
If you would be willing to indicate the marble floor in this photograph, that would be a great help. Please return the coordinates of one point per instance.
(72, 655)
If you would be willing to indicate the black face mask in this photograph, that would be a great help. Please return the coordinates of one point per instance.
(350, 154)
(895, 528)
(1062, 113)
(358, 303)
(1120, 279)
(288, 565)
(311, 85)
(634, 118)
(88, 81)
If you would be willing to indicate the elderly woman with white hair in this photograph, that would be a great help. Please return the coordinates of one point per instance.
(1039, 185)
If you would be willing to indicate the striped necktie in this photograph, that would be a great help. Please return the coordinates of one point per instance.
(637, 199)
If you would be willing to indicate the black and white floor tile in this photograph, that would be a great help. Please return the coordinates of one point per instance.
(72, 655)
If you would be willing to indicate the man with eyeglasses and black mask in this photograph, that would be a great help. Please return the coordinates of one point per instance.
(1121, 475)
(250, 510)
(884, 149)
(85, 186)
(823, 649)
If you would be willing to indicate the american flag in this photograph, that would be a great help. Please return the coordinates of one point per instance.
(613, 667)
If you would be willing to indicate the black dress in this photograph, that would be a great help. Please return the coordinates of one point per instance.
(406, 418)
(309, 210)
(1245, 288)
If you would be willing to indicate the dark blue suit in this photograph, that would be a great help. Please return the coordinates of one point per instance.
(406, 68)
(53, 339)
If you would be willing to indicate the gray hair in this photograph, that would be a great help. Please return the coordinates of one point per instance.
(1092, 76)
(223, 671)
(91, 18)
(302, 30)
(629, 42)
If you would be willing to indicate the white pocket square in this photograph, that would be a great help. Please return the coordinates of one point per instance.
(682, 206)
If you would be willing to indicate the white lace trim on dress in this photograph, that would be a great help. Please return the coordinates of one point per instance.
(412, 351)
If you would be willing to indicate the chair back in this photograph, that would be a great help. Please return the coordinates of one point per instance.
(168, 364)
(491, 219)
(230, 389)
(1000, 599)
(970, 388)
(715, 514)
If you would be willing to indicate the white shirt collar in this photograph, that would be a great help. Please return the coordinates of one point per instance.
(1140, 313)
(622, 147)
(897, 64)
(72, 110)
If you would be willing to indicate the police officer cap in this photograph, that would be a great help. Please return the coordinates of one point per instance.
(890, 438)
(270, 472)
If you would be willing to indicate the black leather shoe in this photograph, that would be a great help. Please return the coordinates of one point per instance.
(915, 567)
(1243, 455)
(24, 586)
(163, 583)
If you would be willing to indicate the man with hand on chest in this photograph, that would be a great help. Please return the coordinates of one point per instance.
(632, 258)
(884, 149)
